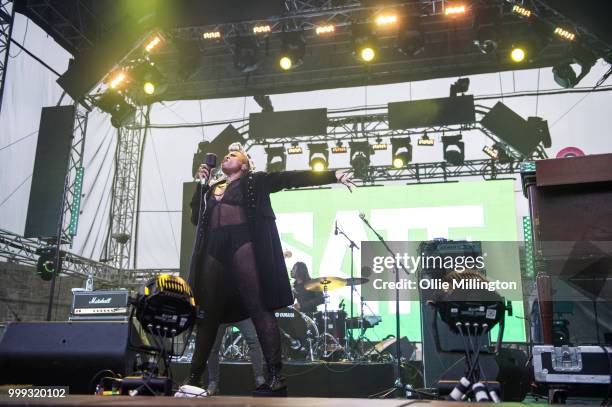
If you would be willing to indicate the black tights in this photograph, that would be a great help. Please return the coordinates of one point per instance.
(243, 268)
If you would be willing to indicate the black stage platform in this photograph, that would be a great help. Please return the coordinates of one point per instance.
(318, 379)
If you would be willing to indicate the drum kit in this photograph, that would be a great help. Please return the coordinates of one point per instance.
(323, 335)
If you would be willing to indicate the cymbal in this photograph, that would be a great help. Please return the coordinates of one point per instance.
(318, 284)
(356, 280)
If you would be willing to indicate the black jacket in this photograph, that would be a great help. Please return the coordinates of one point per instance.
(271, 267)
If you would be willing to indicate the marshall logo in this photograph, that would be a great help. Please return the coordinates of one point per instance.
(96, 300)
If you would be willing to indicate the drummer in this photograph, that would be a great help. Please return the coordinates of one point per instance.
(305, 301)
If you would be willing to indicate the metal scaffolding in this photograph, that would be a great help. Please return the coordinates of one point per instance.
(7, 14)
(124, 198)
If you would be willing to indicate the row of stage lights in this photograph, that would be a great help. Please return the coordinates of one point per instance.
(410, 41)
(361, 151)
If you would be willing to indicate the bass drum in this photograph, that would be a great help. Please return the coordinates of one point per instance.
(298, 333)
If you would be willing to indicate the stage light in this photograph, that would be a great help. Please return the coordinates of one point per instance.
(401, 152)
(212, 35)
(319, 156)
(566, 35)
(295, 149)
(493, 153)
(564, 74)
(454, 149)
(325, 29)
(114, 103)
(460, 86)
(486, 24)
(277, 160)
(497, 152)
(360, 158)
(117, 80)
(293, 49)
(518, 54)
(153, 43)
(521, 11)
(379, 146)
(246, 54)
(425, 141)
(367, 54)
(386, 20)
(262, 29)
(365, 44)
(339, 148)
(454, 10)
(45, 267)
(149, 88)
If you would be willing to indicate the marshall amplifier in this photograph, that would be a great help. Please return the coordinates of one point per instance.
(99, 306)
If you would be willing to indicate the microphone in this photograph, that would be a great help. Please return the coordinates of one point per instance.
(336, 229)
(210, 160)
(362, 215)
(341, 304)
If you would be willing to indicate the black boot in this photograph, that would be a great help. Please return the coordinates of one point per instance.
(195, 378)
(275, 386)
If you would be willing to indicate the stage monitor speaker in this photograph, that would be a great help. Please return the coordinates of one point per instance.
(50, 168)
(74, 354)
(388, 346)
(431, 112)
(515, 131)
(187, 230)
(292, 123)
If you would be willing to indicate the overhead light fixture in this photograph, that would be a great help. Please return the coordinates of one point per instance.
(262, 29)
(264, 102)
(212, 35)
(45, 266)
(276, 159)
(497, 152)
(325, 29)
(457, 10)
(360, 158)
(293, 49)
(115, 104)
(318, 156)
(118, 80)
(411, 40)
(401, 152)
(521, 11)
(525, 48)
(365, 44)
(564, 74)
(379, 145)
(425, 141)
(246, 54)
(518, 53)
(339, 148)
(454, 149)
(487, 26)
(154, 43)
(460, 86)
(493, 153)
(149, 78)
(386, 20)
(294, 149)
(565, 34)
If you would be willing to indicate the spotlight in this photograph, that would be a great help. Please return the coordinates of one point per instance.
(264, 102)
(294, 149)
(277, 160)
(521, 11)
(425, 140)
(386, 20)
(339, 148)
(487, 26)
(154, 43)
(45, 267)
(262, 29)
(150, 78)
(319, 156)
(563, 33)
(360, 157)
(454, 10)
(293, 49)
(564, 74)
(518, 53)
(246, 54)
(401, 151)
(497, 152)
(460, 86)
(411, 41)
(325, 29)
(212, 35)
(454, 149)
(118, 80)
(379, 146)
(114, 103)
(365, 45)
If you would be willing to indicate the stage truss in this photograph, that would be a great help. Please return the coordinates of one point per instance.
(7, 14)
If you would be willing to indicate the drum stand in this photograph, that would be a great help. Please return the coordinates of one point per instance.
(325, 352)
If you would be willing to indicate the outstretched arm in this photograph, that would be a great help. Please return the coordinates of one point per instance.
(277, 181)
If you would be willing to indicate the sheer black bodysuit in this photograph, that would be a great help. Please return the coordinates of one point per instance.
(228, 285)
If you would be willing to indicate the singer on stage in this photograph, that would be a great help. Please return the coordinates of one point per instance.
(237, 268)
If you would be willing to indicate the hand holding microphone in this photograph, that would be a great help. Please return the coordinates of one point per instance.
(203, 173)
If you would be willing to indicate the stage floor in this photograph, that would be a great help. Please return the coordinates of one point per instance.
(226, 401)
